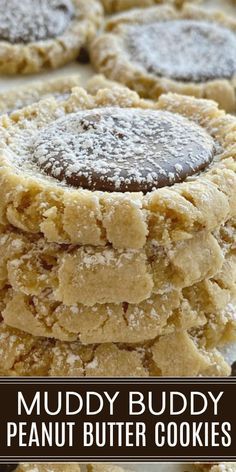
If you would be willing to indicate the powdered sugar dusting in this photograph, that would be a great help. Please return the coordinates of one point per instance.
(120, 149)
(188, 50)
(25, 21)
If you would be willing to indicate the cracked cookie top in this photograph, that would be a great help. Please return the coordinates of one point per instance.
(113, 168)
(183, 49)
(119, 149)
(34, 20)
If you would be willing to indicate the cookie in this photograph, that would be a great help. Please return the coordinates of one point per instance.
(101, 323)
(50, 467)
(26, 355)
(37, 35)
(35, 202)
(112, 6)
(117, 221)
(206, 304)
(90, 276)
(183, 297)
(67, 467)
(195, 54)
(25, 95)
(222, 467)
(105, 468)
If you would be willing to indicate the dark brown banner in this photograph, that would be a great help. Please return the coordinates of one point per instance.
(143, 420)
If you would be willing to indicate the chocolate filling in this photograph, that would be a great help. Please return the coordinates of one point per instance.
(25, 21)
(114, 149)
(186, 50)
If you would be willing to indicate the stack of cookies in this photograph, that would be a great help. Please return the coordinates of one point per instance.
(117, 242)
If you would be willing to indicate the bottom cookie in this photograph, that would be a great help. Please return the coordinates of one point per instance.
(73, 467)
(222, 467)
(176, 354)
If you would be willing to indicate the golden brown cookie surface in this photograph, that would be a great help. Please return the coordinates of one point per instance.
(26, 355)
(159, 49)
(37, 35)
(119, 5)
(34, 202)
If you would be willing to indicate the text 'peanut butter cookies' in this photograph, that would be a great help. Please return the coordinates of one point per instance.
(179, 138)
(159, 49)
(39, 34)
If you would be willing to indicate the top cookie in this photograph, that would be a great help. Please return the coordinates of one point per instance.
(39, 34)
(114, 168)
(192, 51)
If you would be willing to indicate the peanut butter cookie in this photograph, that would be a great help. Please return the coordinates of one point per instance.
(118, 226)
(94, 305)
(25, 95)
(173, 174)
(50, 467)
(222, 467)
(67, 467)
(112, 6)
(175, 354)
(42, 34)
(190, 51)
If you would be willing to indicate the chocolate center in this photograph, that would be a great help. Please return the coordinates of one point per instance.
(25, 21)
(115, 149)
(187, 50)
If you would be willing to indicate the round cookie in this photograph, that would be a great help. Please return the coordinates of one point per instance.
(175, 354)
(35, 202)
(24, 95)
(43, 34)
(68, 292)
(160, 49)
